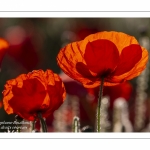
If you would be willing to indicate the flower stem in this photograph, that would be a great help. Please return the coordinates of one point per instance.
(76, 124)
(99, 105)
(32, 123)
(43, 123)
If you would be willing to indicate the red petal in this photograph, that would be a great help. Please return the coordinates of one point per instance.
(130, 55)
(56, 97)
(83, 70)
(101, 57)
(29, 98)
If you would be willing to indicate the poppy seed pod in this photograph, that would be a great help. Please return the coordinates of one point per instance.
(35, 92)
(114, 56)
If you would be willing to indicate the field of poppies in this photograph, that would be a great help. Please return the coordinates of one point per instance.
(74, 75)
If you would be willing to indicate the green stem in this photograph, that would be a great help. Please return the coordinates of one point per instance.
(43, 123)
(33, 125)
(76, 124)
(99, 105)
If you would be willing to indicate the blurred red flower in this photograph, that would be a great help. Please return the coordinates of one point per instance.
(83, 30)
(22, 48)
(115, 56)
(37, 91)
(72, 86)
(3, 48)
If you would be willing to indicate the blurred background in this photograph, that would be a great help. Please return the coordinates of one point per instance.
(35, 43)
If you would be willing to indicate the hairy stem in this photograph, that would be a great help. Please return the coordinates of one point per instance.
(99, 105)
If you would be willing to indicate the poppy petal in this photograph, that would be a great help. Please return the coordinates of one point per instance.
(140, 66)
(130, 55)
(68, 58)
(120, 39)
(83, 70)
(101, 57)
(29, 98)
(135, 71)
(54, 94)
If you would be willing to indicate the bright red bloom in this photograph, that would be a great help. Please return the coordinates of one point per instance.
(113, 55)
(3, 48)
(37, 91)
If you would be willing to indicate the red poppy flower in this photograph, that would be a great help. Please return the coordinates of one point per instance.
(37, 91)
(3, 47)
(115, 56)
